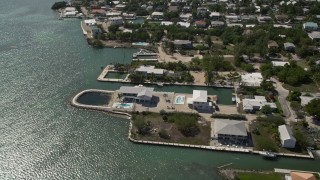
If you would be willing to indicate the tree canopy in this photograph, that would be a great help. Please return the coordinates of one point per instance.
(313, 108)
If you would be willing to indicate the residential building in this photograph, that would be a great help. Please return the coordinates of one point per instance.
(286, 137)
(116, 20)
(217, 23)
(233, 18)
(306, 99)
(90, 22)
(315, 36)
(199, 100)
(279, 63)
(157, 16)
(264, 19)
(113, 14)
(138, 93)
(310, 26)
(148, 70)
(272, 44)
(289, 47)
(185, 17)
(129, 16)
(202, 11)
(255, 103)
(95, 30)
(186, 44)
(200, 24)
(302, 176)
(166, 23)
(231, 131)
(215, 16)
(251, 79)
(184, 24)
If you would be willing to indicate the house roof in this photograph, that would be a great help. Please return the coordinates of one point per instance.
(285, 132)
(230, 127)
(184, 24)
(310, 24)
(181, 42)
(288, 44)
(314, 35)
(252, 79)
(157, 14)
(200, 96)
(302, 176)
(150, 69)
(140, 91)
(279, 63)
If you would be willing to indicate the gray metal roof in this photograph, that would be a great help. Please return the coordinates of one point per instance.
(285, 132)
(230, 127)
(140, 91)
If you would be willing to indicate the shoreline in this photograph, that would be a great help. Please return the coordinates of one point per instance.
(130, 138)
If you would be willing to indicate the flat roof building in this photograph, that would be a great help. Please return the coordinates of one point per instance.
(139, 93)
(230, 130)
(286, 137)
(251, 79)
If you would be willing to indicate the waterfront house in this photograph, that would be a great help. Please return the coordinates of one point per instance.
(264, 19)
(113, 14)
(182, 44)
(70, 9)
(157, 16)
(137, 93)
(251, 79)
(230, 131)
(302, 176)
(199, 101)
(95, 30)
(149, 70)
(129, 16)
(310, 26)
(289, 47)
(186, 9)
(120, 7)
(252, 104)
(115, 20)
(90, 22)
(173, 8)
(286, 137)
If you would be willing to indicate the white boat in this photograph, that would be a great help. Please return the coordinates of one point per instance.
(160, 84)
(268, 154)
(143, 52)
(233, 99)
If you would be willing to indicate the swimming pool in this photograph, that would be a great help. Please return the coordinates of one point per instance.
(123, 105)
(179, 100)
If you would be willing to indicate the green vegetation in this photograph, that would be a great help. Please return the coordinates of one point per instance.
(313, 108)
(259, 176)
(303, 136)
(229, 116)
(265, 133)
(186, 128)
(59, 5)
(294, 96)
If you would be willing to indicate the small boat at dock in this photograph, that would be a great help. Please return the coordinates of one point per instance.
(160, 84)
(268, 154)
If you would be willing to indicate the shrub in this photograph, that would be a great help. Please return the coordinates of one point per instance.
(165, 118)
(163, 134)
(163, 112)
(229, 116)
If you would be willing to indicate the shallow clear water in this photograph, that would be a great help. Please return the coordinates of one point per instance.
(44, 63)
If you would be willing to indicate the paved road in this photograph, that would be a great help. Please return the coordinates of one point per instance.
(283, 93)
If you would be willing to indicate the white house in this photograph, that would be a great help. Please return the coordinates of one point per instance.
(185, 17)
(256, 103)
(251, 79)
(199, 100)
(306, 99)
(90, 22)
(286, 137)
(157, 15)
(148, 70)
(166, 23)
(184, 24)
(310, 26)
(279, 63)
(315, 35)
(139, 93)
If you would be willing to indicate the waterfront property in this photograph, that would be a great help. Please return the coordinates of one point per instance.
(148, 70)
(302, 176)
(255, 103)
(179, 100)
(230, 131)
(251, 79)
(199, 101)
(286, 137)
(137, 93)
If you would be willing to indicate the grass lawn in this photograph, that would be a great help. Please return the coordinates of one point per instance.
(279, 106)
(312, 87)
(259, 176)
(171, 128)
